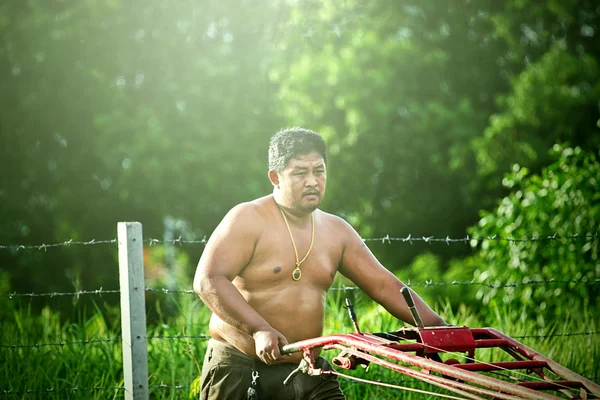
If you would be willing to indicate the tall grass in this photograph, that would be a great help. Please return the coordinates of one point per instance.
(93, 370)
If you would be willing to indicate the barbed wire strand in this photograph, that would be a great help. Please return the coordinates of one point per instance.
(55, 390)
(163, 386)
(428, 283)
(45, 247)
(57, 294)
(489, 285)
(103, 340)
(385, 239)
(59, 344)
(469, 239)
(200, 336)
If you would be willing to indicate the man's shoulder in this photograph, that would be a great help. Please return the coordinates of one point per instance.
(252, 209)
(335, 221)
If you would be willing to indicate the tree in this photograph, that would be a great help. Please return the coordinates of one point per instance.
(427, 107)
(118, 111)
(553, 100)
(551, 59)
(399, 90)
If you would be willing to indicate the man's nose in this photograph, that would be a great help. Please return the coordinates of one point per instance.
(311, 180)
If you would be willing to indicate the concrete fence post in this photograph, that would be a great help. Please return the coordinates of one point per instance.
(133, 310)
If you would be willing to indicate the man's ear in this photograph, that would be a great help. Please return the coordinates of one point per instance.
(274, 178)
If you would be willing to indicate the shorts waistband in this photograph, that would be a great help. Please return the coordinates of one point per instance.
(225, 346)
(226, 351)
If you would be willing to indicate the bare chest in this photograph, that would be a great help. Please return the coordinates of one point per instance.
(274, 260)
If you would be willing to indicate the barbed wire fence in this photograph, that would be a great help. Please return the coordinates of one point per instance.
(205, 336)
(384, 239)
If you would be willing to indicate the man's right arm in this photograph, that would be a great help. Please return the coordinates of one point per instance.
(361, 267)
(228, 251)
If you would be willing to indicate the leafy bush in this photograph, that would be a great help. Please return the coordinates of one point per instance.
(560, 208)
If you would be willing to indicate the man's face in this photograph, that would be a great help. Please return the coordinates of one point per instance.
(302, 182)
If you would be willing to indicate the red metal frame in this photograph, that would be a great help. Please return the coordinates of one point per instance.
(416, 352)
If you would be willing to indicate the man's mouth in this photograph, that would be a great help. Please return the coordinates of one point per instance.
(311, 194)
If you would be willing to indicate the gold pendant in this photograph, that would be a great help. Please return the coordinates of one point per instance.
(296, 274)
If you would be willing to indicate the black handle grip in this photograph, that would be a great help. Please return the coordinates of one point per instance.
(352, 315)
(351, 312)
(407, 296)
(411, 306)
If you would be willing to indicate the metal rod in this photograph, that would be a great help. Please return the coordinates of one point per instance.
(411, 306)
(454, 386)
(352, 315)
(372, 347)
(554, 366)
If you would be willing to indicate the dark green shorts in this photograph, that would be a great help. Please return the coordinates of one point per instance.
(227, 375)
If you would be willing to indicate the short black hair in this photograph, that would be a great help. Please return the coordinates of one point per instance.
(292, 142)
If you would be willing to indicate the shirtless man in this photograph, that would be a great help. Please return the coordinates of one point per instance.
(265, 273)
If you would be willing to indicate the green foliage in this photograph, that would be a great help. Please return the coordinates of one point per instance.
(91, 355)
(450, 284)
(551, 61)
(116, 111)
(563, 200)
(6, 305)
(529, 123)
(390, 86)
(177, 362)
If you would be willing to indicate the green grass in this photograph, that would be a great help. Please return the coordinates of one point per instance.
(95, 369)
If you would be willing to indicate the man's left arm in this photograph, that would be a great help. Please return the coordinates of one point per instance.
(361, 267)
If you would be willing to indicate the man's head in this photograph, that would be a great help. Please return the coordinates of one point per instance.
(297, 160)
(292, 142)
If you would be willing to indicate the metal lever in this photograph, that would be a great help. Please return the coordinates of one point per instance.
(411, 306)
(352, 315)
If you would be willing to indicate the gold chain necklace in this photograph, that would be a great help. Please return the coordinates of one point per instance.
(297, 273)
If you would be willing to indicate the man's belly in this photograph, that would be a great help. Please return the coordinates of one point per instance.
(297, 313)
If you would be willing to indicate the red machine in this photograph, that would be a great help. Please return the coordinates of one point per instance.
(416, 352)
